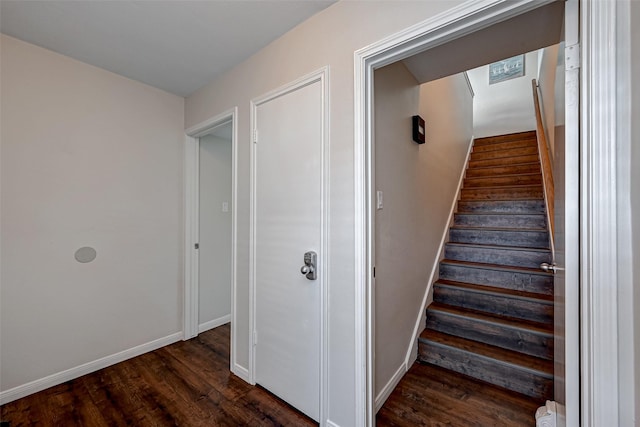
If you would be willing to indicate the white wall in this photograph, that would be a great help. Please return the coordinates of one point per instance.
(89, 158)
(215, 231)
(504, 107)
(419, 184)
(328, 38)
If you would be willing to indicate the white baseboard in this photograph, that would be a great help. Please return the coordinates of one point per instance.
(389, 387)
(241, 372)
(214, 323)
(409, 358)
(86, 368)
(330, 423)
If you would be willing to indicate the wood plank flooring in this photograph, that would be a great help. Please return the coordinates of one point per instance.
(189, 384)
(433, 396)
(185, 384)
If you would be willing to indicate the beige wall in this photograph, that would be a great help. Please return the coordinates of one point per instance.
(548, 86)
(327, 39)
(89, 158)
(214, 254)
(419, 184)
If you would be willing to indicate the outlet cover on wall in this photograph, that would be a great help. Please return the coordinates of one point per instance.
(225, 206)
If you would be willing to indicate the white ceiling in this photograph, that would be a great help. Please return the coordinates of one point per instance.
(176, 45)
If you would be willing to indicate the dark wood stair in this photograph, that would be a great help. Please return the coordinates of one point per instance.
(492, 311)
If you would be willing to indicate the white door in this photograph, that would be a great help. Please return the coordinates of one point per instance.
(566, 179)
(288, 210)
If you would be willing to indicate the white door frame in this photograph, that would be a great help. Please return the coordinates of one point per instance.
(598, 299)
(192, 220)
(322, 76)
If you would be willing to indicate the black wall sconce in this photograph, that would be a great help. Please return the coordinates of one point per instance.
(418, 129)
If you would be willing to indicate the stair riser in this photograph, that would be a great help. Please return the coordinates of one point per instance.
(504, 138)
(526, 309)
(505, 279)
(523, 239)
(500, 154)
(503, 170)
(532, 179)
(502, 206)
(499, 146)
(501, 221)
(488, 255)
(509, 161)
(510, 193)
(524, 341)
(491, 371)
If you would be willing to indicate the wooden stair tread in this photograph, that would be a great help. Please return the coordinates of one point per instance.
(515, 164)
(526, 270)
(497, 146)
(499, 247)
(481, 316)
(503, 161)
(478, 178)
(507, 187)
(491, 228)
(487, 289)
(529, 205)
(537, 214)
(506, 137)
(536, 365)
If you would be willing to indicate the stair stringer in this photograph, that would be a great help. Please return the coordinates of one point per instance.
(412, 350)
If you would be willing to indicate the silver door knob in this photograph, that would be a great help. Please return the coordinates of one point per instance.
(309, 267)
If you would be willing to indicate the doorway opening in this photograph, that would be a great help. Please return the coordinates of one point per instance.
(210, 228)
(473, 35)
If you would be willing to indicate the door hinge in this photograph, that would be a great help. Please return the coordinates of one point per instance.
(374, 272)
(572, 57)
(196, 246)
(255, 136)
(255, 337)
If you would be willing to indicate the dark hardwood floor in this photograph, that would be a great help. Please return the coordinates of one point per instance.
(433, 396)
(185, 384)
(189, 384)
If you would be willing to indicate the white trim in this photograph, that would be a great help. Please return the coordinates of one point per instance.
(419, 325)
(469, 85)
(331, 424)
(389, 387)
(454, 23)
(241, 372)
(192, 193)
(86, 368)
(190, 299)
(628, 368)
(322, 76)
(202, 327)
(600, 344)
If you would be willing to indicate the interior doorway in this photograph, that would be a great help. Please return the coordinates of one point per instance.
(214, 228)
(210, 227)
(470, 34)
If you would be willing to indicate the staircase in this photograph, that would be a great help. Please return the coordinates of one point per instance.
(492, 311)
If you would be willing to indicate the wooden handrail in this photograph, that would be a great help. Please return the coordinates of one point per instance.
(545, 162)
